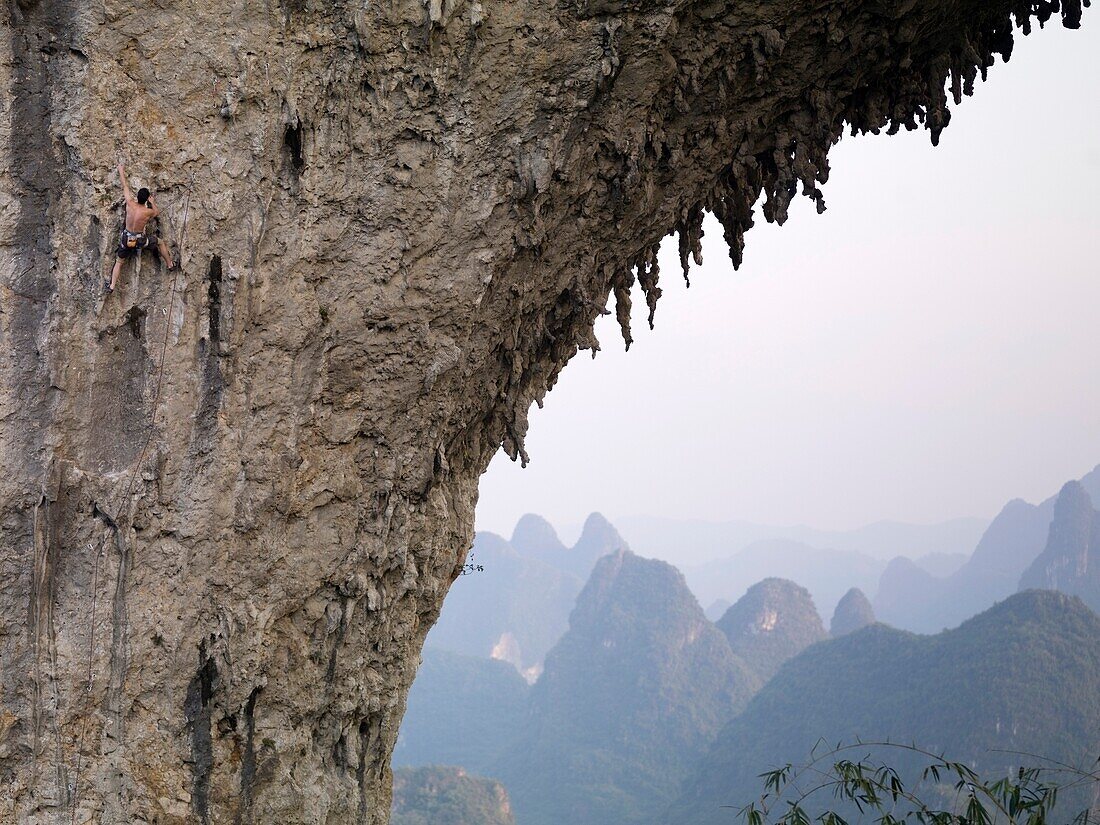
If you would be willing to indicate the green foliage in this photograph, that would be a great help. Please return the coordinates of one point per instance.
(630, 696)
(775, 620)
(877, 792)
(448, 796)
(461, 711)
(1023, 676)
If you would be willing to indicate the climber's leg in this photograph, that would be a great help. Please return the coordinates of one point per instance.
(114, 274)
(165, 253)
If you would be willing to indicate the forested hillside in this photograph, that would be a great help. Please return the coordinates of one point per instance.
(631, 695)
(462, 711)
(1023, 676)
(775, 620)
(448, 796)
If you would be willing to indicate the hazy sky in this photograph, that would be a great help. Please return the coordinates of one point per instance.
(928, 348)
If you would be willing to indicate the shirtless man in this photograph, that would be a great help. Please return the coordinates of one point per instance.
(139, 211)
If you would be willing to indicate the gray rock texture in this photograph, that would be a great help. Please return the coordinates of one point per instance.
(233, 501)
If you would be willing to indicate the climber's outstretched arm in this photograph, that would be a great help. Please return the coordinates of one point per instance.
(125, 184)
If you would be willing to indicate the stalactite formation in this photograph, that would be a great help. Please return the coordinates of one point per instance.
(912, 96)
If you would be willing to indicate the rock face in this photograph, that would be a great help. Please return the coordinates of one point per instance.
(775, 620)
(234, 500)
(852, 612)
(1070, 562)
(629, 698)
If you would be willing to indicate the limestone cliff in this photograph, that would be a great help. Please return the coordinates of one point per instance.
(233, 502)
(1070, 562)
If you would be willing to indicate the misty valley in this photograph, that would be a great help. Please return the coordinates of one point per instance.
(590, 685)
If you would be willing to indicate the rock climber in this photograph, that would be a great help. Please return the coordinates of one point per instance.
(139, 211)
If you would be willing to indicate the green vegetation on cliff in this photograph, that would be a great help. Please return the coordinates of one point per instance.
(774, 620)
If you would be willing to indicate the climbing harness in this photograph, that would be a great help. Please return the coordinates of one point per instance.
(130, 243)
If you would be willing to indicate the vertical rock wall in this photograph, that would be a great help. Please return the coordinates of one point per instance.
(233, 499)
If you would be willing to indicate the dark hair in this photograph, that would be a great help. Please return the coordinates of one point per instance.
(143, 195)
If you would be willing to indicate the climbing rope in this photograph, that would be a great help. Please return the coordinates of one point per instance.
(40, 575)
(128, 497)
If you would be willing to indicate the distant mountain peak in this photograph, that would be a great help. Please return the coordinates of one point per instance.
(852, 613)
(1073, 497)
(775, 620)
(1070, 562)
(629, 697)
(717, 609)
(515, 609)
(598, 538)
(632, 584)
(598, 529)
(535, 536)
(1091, 482)
(597, 521)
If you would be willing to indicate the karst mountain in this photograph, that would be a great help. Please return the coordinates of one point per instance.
(630, 696)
